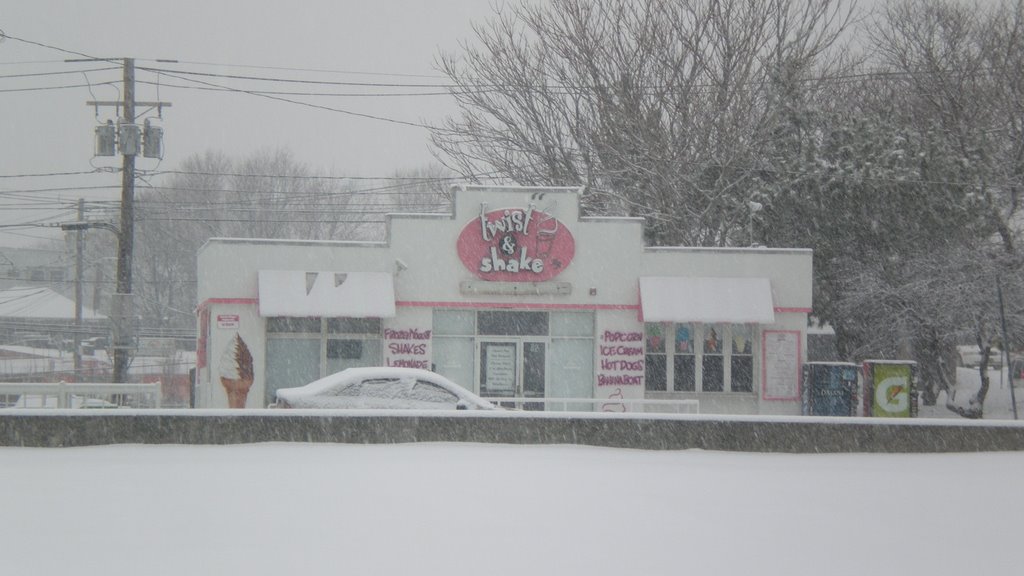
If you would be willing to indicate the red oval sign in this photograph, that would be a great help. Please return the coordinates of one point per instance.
(516, 245)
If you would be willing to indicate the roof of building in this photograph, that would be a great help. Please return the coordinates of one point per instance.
(40, 303)
(32, 257)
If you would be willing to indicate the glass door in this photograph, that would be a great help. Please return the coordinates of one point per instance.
(499, 374)
(513, 368)
(534, 373)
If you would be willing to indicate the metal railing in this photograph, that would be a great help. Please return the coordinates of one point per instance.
(79, 395)
(687, 406)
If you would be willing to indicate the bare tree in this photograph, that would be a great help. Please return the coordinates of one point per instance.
(659, 108)
(960, 69)
(425, 189)
(266, 195)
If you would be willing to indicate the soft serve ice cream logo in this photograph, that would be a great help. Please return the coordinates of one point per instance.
(236, 371)
(516, 245)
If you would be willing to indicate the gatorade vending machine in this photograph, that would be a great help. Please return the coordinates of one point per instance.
(890, 388)
(829, 389)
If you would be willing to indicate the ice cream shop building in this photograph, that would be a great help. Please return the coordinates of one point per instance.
(512, 295)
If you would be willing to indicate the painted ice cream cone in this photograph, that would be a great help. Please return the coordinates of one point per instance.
(237, 389)
(236, 373)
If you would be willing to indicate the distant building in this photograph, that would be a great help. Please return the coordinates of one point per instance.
(32, 364)
(40, 317)
(33, 267)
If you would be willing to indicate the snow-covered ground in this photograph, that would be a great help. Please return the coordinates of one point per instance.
(456, 509)
(998, 405)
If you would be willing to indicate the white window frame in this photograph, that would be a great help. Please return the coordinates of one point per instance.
(697, 333)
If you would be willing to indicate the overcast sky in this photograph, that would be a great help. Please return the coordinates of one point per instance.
(393, 42)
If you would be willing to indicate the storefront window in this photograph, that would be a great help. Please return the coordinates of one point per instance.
(655, 372)
(571, 374)
(301, 350)
(684, 362)
(655, 361)
(654, 338)
(684, 339)
(293, 325)
(291, 362)
(504, 323)
(712, 341)
(713, 373)
(352, 353)
(453, 358)
(742, 361)
(572, 324)
(699, 357)
(353, 326)
(454, 323)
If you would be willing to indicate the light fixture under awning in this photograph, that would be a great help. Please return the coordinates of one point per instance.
(326, 294)
(707, 300)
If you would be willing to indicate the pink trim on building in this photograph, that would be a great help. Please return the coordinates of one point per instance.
(209, 301)
(516, 305)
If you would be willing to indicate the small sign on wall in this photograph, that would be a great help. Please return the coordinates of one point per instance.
(781, 349)
(228, 321)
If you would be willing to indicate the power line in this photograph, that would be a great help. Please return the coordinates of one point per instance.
(319, 94)
(59, 189)
(24, 62)
(302, 176)
(306, 104)
(57, 73)
(319, 70)
(41, 174)
(267, 96)
(251, 221)
(63, 87)
(478, 86)
(172, 72)
(57, 48)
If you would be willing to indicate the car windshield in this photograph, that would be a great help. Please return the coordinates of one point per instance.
(380, 388)
(429, 392)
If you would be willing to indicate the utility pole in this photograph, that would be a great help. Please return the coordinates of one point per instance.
(79, 245)
(122, 310)
(129, 143)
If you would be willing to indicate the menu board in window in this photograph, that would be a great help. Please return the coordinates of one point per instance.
(500, 368)
(781, 368)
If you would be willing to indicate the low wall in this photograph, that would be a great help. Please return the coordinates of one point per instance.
(63, 428)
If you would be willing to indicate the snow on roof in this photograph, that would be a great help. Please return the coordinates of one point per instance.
(300, 293)
(40, 303)
(697, 299)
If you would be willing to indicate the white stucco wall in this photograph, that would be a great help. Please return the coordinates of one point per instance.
(420, 252)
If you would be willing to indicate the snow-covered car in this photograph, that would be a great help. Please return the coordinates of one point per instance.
(389, 388)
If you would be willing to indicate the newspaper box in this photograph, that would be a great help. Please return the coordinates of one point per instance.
(829, 389)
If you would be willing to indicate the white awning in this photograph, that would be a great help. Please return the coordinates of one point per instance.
(326, 294)
(707, 300)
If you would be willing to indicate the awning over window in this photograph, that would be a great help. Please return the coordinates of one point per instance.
(326, 294)
(707, 300)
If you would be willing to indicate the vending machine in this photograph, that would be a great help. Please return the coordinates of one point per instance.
(890, 388)
(830, 389)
